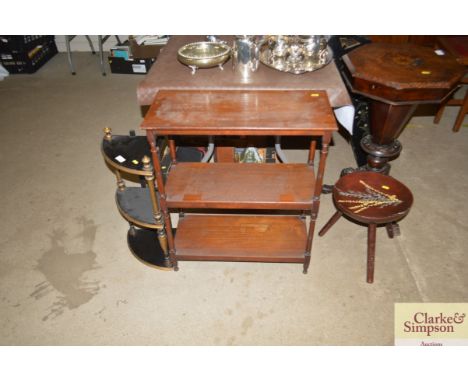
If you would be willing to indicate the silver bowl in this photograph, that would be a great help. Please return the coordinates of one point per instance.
(204, 54)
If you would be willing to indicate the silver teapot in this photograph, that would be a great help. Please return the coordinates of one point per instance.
(246, 54)
(313, 45)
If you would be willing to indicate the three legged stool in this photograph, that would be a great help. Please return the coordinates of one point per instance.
(372, 199)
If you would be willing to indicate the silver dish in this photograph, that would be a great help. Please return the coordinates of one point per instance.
(296, 54)
(204, 54)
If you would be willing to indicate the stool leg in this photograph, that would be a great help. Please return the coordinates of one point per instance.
(330, 223)
(393, 229)
(390, 232)
(371, 234)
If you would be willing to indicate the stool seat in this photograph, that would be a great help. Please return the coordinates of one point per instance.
(373, 199)
(370, 197)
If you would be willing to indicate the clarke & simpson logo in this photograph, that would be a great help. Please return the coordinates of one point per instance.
(431, 324)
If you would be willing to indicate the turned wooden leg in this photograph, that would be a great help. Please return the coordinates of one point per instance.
(393, 229)
(390, 232)
(440, 110)
(306, 263)
(162, 238)
(309, 244)
(461, 114)
(173, 151)
(330, 223)
(371, 252)
(175, 263)
(165, 217)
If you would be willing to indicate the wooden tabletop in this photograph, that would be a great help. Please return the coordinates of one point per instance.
(168, 73)
(402, 72)
(240, 112)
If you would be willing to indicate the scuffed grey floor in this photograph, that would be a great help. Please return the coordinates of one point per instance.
(67, 276)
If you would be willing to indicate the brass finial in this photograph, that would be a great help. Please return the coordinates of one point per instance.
(107, 133)
(146, 162)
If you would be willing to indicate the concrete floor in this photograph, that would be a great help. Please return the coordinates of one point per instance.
(67, 276)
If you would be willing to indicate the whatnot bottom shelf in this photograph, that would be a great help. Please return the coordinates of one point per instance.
(241, 238)
(145, 247)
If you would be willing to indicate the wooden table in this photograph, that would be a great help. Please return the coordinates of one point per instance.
(457, 47)
(169, 74)
(396, 78)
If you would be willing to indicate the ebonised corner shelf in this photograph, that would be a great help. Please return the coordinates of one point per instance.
(130, 154)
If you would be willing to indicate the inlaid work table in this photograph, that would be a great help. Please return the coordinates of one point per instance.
(257, 233)
(397, 78)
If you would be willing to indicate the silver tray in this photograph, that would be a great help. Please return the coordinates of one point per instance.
(300, 62)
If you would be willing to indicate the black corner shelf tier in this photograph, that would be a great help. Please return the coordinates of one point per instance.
(134, 204)
(132, 149)
(144, 245)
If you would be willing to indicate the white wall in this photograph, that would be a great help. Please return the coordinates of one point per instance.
(80, 43)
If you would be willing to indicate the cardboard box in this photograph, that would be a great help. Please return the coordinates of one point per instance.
(133, 66)
(144, 51)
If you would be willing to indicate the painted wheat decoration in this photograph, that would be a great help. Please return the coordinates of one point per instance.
(369, 198)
